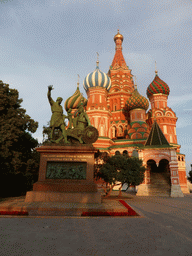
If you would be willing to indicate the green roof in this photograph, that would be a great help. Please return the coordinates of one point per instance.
(126, 146)
(133, 140)
(102, 148)
(158, 146)
(122, 121)
(156, 137)
(139, 122)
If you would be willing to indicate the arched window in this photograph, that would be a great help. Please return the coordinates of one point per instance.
(120, 129)
(114, 131)
(117, 153)
(125, 153)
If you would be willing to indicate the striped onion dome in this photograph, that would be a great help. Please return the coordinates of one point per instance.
(75, 100)
(137, 101)
(97, 78)
(157, 86)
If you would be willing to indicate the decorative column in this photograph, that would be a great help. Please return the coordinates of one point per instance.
(143, 189)
(175, 185)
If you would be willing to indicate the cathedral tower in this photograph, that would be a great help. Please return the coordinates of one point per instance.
(137, 106)
(97, 85)
(158, 92)
(122, 87)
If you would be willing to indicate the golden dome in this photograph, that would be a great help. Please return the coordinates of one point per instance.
(118, 36)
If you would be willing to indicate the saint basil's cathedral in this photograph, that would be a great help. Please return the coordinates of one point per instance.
(119, 112)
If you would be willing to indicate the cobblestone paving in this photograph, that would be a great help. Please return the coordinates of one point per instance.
(165, 229)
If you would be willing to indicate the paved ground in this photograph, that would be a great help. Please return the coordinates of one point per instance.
(165, 228)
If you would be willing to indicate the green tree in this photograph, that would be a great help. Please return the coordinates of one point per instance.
(17, 145)
(123, 169)
(190, 176)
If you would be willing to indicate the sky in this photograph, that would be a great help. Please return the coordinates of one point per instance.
(50, 42)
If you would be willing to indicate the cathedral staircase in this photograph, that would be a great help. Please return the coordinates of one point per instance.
(160, 184)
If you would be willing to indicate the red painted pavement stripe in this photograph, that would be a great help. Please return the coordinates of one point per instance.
(130, 210)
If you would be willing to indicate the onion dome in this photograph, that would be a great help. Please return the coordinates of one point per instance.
(118, 36)
(75, 100)
(137, 101)
(157, 86)
(97, 78)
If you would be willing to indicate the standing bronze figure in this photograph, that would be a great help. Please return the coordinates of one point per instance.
(57, 118)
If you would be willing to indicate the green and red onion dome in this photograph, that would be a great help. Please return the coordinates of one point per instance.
(157, 86)
(75, 101)
(137, 101)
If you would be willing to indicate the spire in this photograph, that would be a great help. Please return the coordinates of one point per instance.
(78, 81)
(118, 59)
(156, 72)
(82, 99)
(156, 137)
(97, 62)
(135, 86)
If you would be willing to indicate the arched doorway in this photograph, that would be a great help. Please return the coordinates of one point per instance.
(160, 182)
(163, 165)
(152, 166)
(164, 170)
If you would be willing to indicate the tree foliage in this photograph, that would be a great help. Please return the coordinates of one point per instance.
(100, 159)
(123, 169)
(190, 176)
(17, 145)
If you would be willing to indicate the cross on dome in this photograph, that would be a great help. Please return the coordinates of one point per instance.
(78, 81)
(135, 86)
(97, 62)
(156, 72)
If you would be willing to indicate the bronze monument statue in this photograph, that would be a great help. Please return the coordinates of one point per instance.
(57, 118)
(79, 127)
(66, 171)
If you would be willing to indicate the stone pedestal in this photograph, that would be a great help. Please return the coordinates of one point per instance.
(65, 175)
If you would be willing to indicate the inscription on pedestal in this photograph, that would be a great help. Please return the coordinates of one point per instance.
(66, 170)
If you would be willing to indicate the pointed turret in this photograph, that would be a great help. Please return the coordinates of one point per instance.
(158, 92)
(156, 137)
(118, 60)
